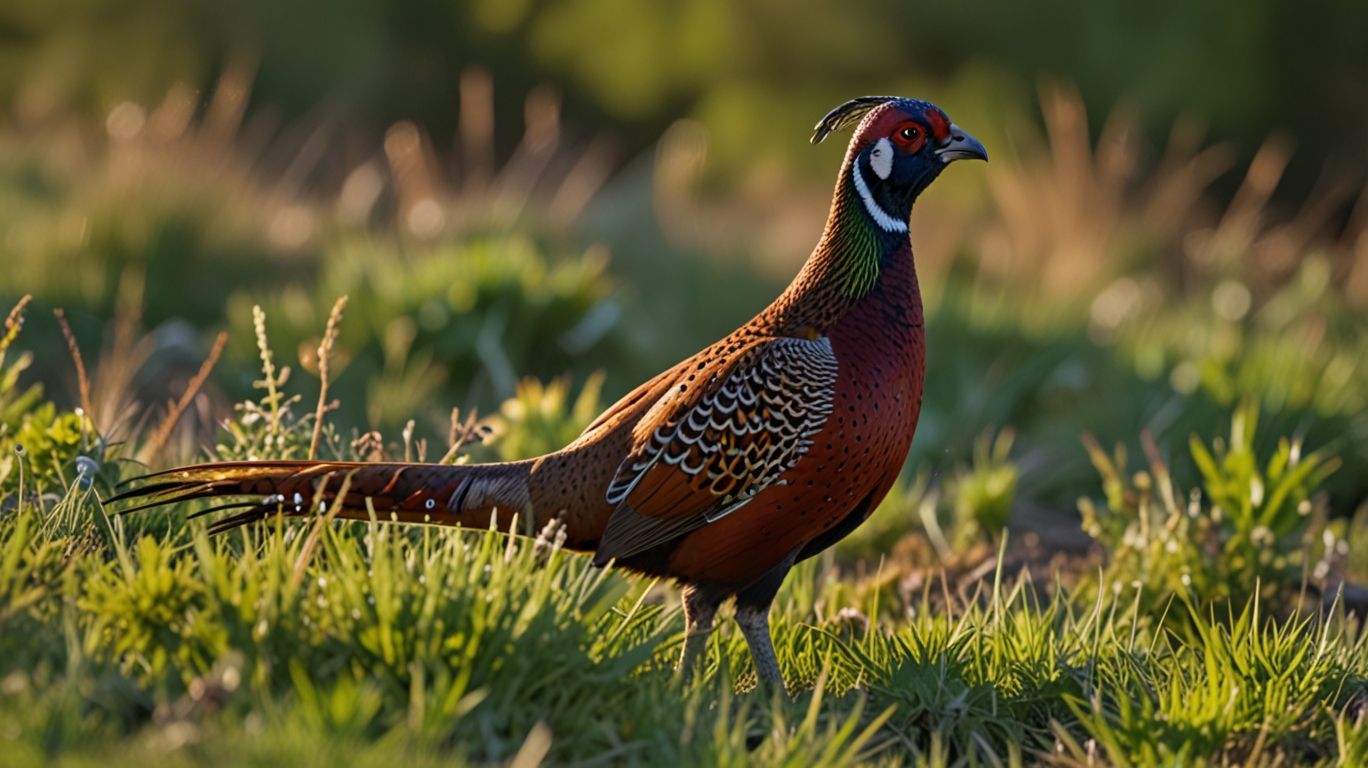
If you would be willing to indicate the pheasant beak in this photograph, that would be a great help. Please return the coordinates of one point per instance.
(961, 146)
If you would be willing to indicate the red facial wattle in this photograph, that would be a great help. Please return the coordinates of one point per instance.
(939, 124)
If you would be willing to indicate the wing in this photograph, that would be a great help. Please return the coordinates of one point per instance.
(704, 454)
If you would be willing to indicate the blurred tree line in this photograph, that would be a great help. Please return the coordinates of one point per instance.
(756, 71)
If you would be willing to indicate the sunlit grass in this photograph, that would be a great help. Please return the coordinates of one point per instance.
(455, 645)
(141, 639)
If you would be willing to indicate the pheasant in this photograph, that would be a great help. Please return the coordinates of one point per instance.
(722, 472)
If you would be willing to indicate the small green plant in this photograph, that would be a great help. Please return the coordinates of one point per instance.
(1238, 536)
(982, 494)
(435, 321)
(39, 446)
(540, 419)
(267, 428)
(972, 511)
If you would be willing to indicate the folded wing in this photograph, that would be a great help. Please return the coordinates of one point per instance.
(726, 431)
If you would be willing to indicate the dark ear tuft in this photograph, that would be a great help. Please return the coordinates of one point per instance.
(848, 114)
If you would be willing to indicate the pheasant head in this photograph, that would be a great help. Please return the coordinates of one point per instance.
(900, 146)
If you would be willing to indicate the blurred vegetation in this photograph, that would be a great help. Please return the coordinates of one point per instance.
(753, 71)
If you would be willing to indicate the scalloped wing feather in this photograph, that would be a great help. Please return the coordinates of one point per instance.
(702, 458)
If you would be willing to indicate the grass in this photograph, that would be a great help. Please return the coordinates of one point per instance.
(140, 639)
(456, 647)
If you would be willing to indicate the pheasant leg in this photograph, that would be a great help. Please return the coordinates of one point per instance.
(699, 610)
(752, 616)
(754, 623)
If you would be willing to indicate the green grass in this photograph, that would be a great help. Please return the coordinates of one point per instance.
(130, 640)
(364, 643)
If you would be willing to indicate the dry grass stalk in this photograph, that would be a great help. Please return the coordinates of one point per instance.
(1251, 241)
(175, 409)
(1182, 178)
(120, 362)
(408, 440)
(270, 381)
(541, 137)
(477, 130)
(417, 180)
(325, 350)
(1063, 211)
(461, 433)
(13, 323)
(228, 105)
(320, 520)
(369, 447)
(584, 179)
(544, 175)
(83, 381)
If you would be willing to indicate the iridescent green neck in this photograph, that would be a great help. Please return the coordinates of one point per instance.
(851, 261)
(859, 248)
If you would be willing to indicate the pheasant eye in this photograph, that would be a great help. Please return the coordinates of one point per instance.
(909, 138)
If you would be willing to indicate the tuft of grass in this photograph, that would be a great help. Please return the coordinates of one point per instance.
(454, 645)
(1247, 532)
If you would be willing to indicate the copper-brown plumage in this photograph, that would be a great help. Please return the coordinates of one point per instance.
(761, 450)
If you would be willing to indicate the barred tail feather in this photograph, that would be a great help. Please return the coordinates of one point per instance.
(408, 493)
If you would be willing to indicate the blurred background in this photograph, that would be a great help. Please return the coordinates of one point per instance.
(1173, 222)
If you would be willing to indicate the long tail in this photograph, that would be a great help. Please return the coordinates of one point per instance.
(409, 493)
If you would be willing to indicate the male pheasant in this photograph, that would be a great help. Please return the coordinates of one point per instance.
(722, 472)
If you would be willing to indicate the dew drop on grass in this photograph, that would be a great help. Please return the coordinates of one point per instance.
(86, 469)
